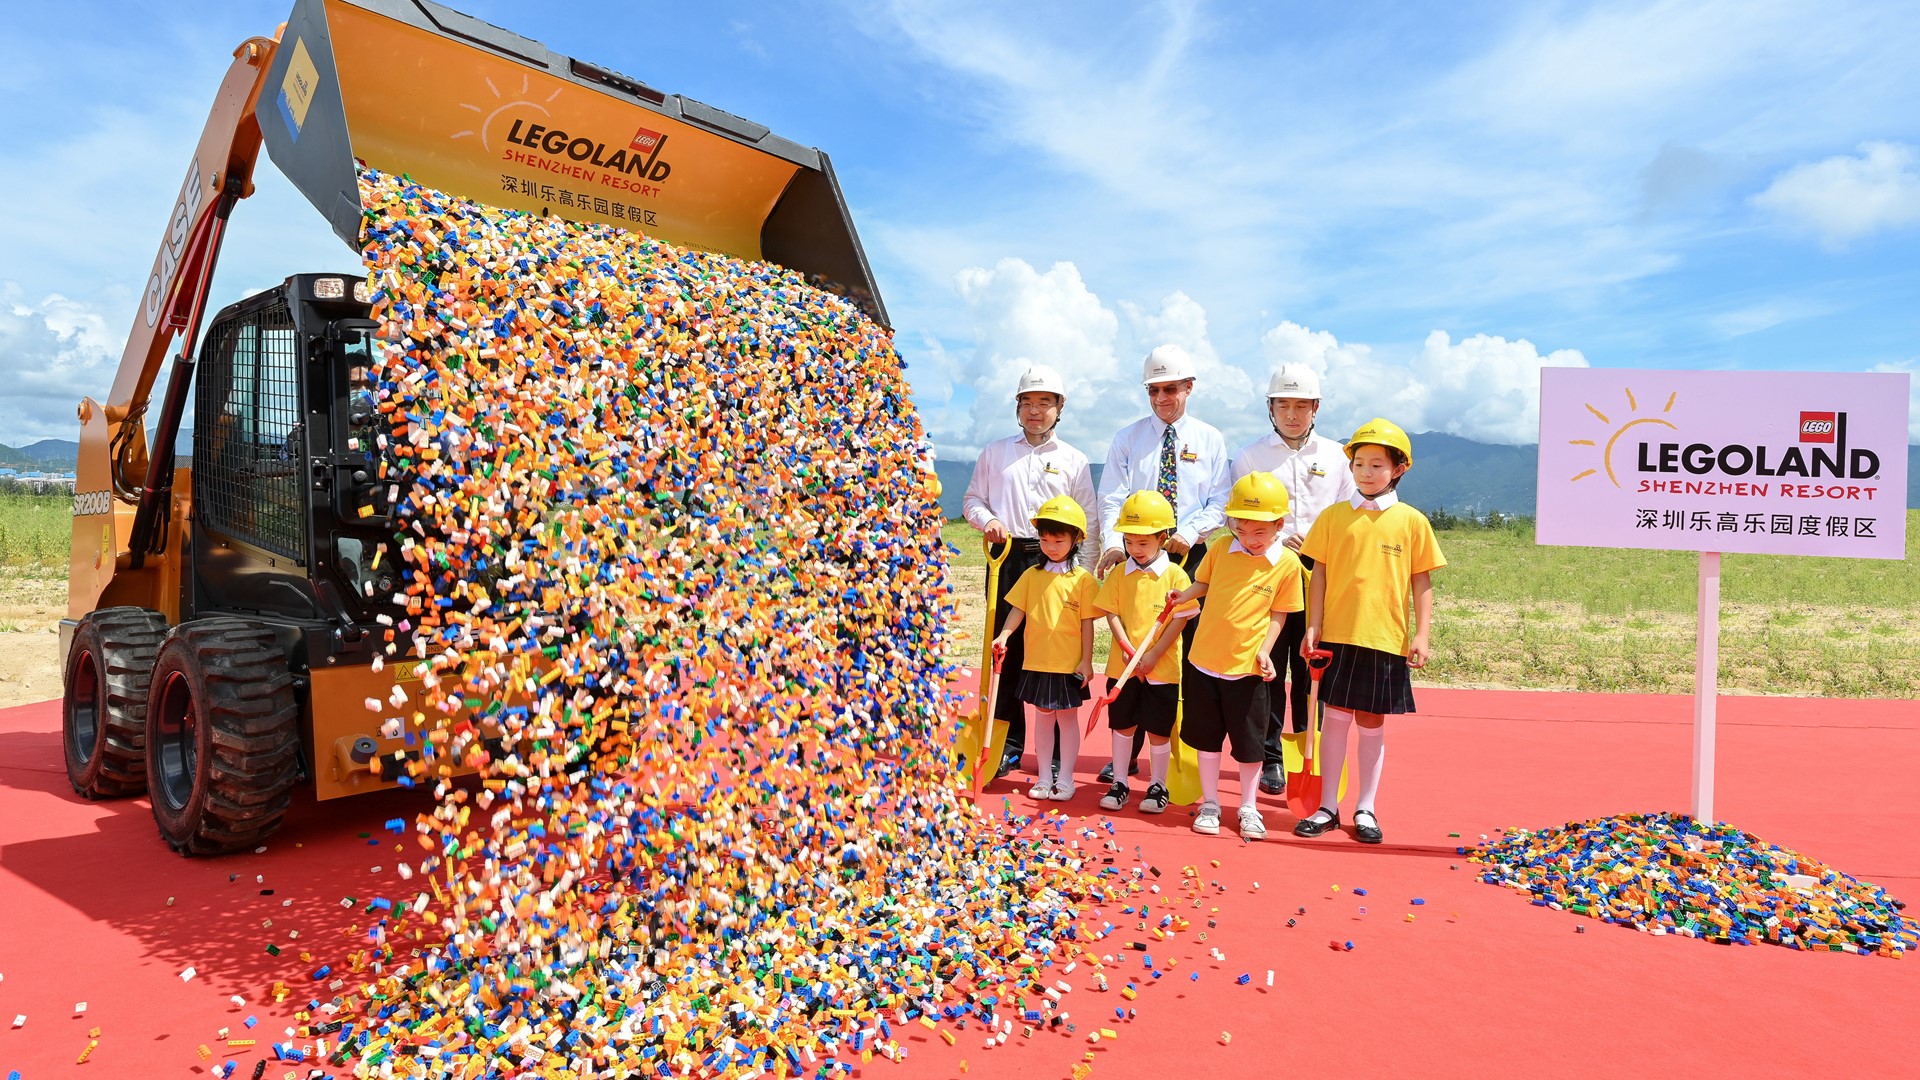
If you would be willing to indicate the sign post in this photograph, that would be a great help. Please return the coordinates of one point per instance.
(1706, 683)
(1761, 462)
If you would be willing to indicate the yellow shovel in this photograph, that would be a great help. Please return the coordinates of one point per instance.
(983, 737)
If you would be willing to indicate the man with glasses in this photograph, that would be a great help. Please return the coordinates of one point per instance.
(1176, 455)
(1012, 477)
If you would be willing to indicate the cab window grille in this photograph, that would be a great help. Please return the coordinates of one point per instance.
(248, 446)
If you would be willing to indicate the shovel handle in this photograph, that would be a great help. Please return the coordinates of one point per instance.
(1113, 689)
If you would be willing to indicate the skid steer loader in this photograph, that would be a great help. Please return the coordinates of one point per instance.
(222, 615)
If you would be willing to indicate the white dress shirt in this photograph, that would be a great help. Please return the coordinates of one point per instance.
(1315, 476)
(1013, 477)
(1378, 502)
(1133, 464)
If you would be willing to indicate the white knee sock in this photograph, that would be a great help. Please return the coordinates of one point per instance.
(1210, 776)
(1159, 755)
(1122, 754)
(1249, 783)
(1333, 754)
(1043, 745)
(1372, 754)
(1069, 744)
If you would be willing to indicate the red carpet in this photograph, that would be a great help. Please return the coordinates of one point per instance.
(1480, 984)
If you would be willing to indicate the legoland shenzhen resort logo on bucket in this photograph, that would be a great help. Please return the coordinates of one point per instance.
(1724, 461)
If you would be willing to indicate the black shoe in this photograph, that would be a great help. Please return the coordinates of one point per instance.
(1008, 764)
(1310, 826)
(1368, 832)
(1272, 780)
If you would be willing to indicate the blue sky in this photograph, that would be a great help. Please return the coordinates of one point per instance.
(1427, 202)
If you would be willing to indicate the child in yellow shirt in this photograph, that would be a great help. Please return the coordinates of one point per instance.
(1054, 603)
(1132, 599)
(1251, 582)
(1372, 554)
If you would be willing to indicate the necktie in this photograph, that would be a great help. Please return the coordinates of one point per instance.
(1169, 474)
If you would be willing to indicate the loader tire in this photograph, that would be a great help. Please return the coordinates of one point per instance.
(223, 736)
(103, 715)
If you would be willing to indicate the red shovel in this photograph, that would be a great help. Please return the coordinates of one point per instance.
(1303, 787)
(1139, 650)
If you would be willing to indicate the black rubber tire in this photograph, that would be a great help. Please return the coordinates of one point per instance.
(103, 713)
(223, 736)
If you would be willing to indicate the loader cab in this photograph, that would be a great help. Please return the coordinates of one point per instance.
(292, 489)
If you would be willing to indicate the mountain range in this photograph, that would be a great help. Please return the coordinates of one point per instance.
(1450, 473)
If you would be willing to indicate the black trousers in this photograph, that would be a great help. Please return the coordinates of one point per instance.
(1024, 555)
(1289, 667)
(1191, 564)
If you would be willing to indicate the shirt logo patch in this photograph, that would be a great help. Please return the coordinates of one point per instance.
(1316, 470)
(1051, 469)
(1187, 454)
(1392, 550)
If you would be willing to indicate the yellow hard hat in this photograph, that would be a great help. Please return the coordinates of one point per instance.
(1258, 496)
(1145, 512)
(1382, 433)
(1063, 510)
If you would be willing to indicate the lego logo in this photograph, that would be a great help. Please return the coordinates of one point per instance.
(644, 141)
(1817, 427)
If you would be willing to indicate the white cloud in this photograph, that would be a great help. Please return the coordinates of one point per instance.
(1845, 198)
(57, 351)
(1484, 388)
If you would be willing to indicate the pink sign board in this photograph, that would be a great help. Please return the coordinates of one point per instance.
(1768, 462)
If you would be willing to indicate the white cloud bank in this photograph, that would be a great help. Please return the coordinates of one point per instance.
(58, 351)
(1483, 387)
(1843, 199)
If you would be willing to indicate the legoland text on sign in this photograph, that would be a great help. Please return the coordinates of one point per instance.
(1768, 462)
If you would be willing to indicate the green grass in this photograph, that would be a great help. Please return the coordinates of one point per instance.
(1510, 613)
(36, 531)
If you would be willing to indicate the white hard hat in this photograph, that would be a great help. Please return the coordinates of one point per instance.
(1294, 381)
(1041, 379)
(1168, 363)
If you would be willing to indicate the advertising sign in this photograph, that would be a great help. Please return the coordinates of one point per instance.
(1766, 462)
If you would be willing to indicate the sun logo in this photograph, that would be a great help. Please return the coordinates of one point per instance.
(1606, 455)
(487, 118)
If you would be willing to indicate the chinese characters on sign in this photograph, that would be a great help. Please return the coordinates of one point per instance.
(563, 197)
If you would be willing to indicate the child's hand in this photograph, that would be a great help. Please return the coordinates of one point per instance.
(1309, 642)
(1417, 651)
(1266, 667)
(1084, 671)
(999, 653)
(1126, 650)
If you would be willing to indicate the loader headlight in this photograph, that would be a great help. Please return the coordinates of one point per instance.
(329, 288)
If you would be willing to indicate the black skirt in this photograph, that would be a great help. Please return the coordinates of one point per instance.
(1052, 690)
(1367, 680)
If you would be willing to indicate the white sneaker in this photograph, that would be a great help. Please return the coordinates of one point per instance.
(1252, 825)
(1208, 819)
(1041, 791)
(1156, 800)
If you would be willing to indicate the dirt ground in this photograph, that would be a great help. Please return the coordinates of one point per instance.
(30, 611)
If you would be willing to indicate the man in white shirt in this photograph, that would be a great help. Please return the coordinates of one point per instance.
(1313, 468)
(1170, 452)
(1012, 477)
